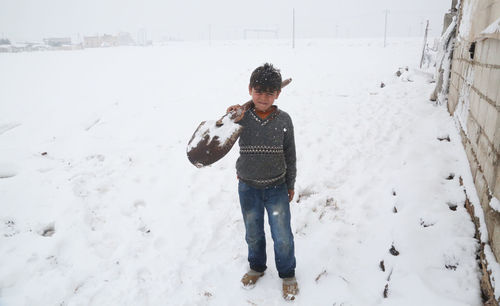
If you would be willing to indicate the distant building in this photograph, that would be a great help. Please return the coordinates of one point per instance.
(5, 49)
(125, 39)
(5, 46)
(91, 42)
(37, 47)
(19, 47)
(57, 41)
(48, 44)
(109, 41)
(106, 40)
(142, 37)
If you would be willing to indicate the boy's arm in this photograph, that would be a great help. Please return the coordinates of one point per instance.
(290, 159)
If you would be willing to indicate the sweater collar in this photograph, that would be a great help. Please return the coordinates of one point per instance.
(271, 116)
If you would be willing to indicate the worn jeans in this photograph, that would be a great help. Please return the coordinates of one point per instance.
(275, 201)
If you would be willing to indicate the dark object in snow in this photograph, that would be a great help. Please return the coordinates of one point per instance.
(205, 147)
(7, 175)
(44, 153)
(451, 267)
(330, 201)
(447, 138)
(386, 291)
(401, 70)
(382, 266)
(393, 251)
(425, 224)
(452, 206)
(395, 210)
(320, 275)
(207, 294)
(451, 176)
(305, 194)
(382, 85)
(10, 227)
(394, 192)
(48, 231)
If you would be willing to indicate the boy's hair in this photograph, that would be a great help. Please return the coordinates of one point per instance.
(266, 78)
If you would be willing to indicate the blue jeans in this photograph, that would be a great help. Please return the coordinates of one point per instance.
(275, 201)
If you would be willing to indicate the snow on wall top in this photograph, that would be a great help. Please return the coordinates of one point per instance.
(492, 28)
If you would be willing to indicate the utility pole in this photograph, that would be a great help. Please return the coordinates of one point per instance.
(385, 28)
(293, 29)
(425, 44)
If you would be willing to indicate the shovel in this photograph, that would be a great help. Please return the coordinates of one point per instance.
(213, 139)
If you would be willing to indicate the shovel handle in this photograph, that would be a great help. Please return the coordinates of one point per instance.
(247, 105)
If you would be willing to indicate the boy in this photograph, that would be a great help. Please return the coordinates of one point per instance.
(266, 171)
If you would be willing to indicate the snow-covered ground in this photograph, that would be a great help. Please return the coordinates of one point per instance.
(100, 206)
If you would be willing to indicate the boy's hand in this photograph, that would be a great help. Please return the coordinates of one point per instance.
(237, 112)
(291, 193)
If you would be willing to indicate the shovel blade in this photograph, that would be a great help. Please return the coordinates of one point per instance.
(210, 142)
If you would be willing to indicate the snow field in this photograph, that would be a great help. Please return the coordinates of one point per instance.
(100, 205)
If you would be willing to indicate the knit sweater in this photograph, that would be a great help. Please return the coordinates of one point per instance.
(267, 150)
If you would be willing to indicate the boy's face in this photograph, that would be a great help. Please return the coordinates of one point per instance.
(263, 100)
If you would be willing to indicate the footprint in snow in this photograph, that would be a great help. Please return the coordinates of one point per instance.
(452, 267)
(7, 170)
(8, 126)
(393, 251)
(320, 275)
(451, 263)
(96, 157)
(80, 183)
(144, 229)
(48, 230)
(425, 223)
(304, 194)
(9, 229)
(52, 260)
(452, 206)
(382, 265)
(444, 138)
(139, 203)
(394, 209)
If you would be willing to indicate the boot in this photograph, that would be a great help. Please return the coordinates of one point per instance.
(290, 288)
(250, 279)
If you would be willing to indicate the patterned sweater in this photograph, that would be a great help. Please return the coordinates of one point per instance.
(267, 150)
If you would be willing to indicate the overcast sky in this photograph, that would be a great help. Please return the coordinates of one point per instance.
(190, 19)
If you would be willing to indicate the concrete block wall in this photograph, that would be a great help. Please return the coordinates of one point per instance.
(475, 79)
